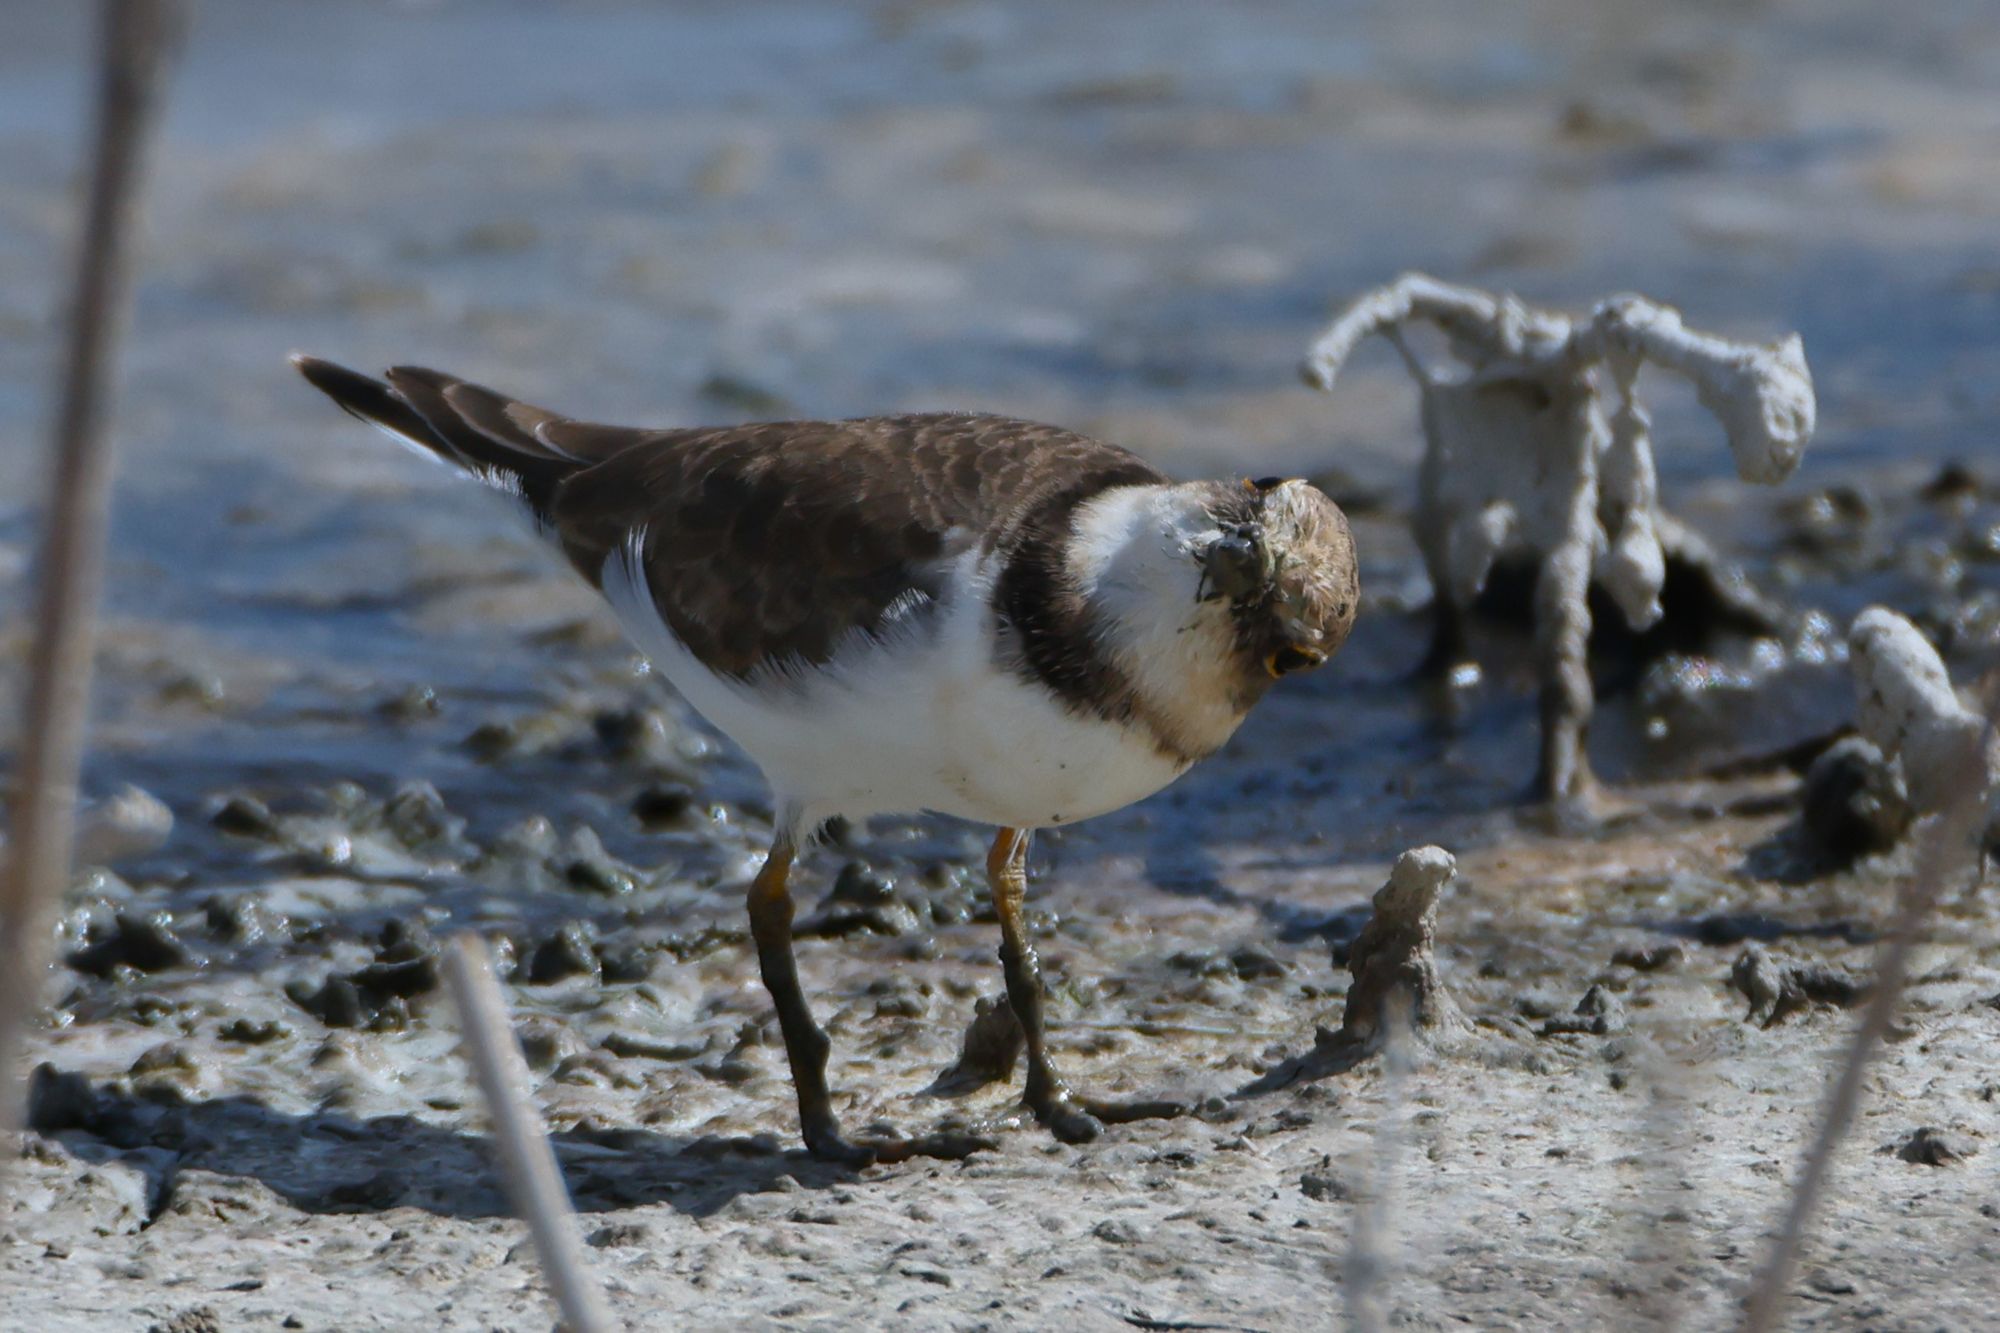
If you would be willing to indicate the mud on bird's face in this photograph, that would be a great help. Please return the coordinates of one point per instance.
(1283, 559)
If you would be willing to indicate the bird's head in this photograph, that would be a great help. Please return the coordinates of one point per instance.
(1204, 593)
(1281, 558)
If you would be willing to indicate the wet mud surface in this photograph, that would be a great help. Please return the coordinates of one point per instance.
(361, 709)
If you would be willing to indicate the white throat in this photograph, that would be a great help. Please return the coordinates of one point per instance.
(1134, 554)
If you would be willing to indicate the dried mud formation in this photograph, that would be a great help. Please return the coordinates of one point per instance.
(1906, 707)
(1397, 991)
(1538, 449)
(1865, 792)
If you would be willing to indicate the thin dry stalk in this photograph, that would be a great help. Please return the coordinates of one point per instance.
(528, 1162)
(1371, 1262)
(1946, 846)
(1660, 1247)
(137, 41)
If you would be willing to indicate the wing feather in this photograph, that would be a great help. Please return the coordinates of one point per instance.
(765, 545)
(768, 545)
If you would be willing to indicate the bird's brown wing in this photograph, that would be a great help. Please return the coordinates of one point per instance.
(766, 545)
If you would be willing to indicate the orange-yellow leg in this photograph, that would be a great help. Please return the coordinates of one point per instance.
(1070, 1118)
(806, 1046)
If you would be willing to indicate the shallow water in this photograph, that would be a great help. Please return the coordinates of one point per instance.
(1114, 216)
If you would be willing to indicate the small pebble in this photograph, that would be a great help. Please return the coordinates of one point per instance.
(570, 952)
(244, 816)
(663, 804)
(1854, 803)
(1651, 958)
(1933, 1147)
(141, 940)
(251, 1033)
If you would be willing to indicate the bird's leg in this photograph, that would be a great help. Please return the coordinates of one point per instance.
(806, 1046)
(1450, 646)
(1070, 1118)
(1045, 1094)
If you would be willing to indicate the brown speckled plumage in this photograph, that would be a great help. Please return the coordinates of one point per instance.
(767, 544)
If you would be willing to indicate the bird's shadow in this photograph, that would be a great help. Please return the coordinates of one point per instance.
(324, 1162)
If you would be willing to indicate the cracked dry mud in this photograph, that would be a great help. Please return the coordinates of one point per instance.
(376, 712)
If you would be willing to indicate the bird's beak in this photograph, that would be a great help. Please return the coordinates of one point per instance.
(1292, 658)
(1234, 565)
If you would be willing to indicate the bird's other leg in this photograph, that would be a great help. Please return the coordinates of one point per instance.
(1562, 642)
(1070, 1118)
(1450, 646)
(1046, 1094)
(806, 1046)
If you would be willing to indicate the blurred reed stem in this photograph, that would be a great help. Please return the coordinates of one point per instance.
(1947, 845)
(137, 40)
(534, 1182)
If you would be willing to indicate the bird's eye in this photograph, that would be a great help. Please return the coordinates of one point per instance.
(1287, 660)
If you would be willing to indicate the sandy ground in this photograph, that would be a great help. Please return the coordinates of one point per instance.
(377, 712)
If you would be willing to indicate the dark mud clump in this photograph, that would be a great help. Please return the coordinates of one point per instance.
(142, 941)
(569, 951)
(591, 869)
(198, 1319)
(987, 1053)
(1776, 991)
(417, 818)
(58, 1101)
(1926, 1146)
(376, 996)
(866, 900)
(248, 1032)
(244, 816)
(244, 918)
(1598, 1014)
(663, 805)
(1854, 804)
(1651, 958)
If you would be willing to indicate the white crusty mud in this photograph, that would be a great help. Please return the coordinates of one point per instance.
(1905, 704)
(1394, 959)
(129, 823)
(1396, 988)
(1539, 447)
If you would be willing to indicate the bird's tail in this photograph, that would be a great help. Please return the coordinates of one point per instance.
(488, 435)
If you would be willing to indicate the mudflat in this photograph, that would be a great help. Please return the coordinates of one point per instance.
(376, 710)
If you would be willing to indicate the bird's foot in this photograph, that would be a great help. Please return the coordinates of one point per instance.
(1063, 1117)
(1143, 1108)
(1078, 1119)
(951, 1147)
(826, 1143)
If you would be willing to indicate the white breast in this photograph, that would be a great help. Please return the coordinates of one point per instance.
(920, 717)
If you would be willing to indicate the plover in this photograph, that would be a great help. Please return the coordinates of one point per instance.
(967, 614)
